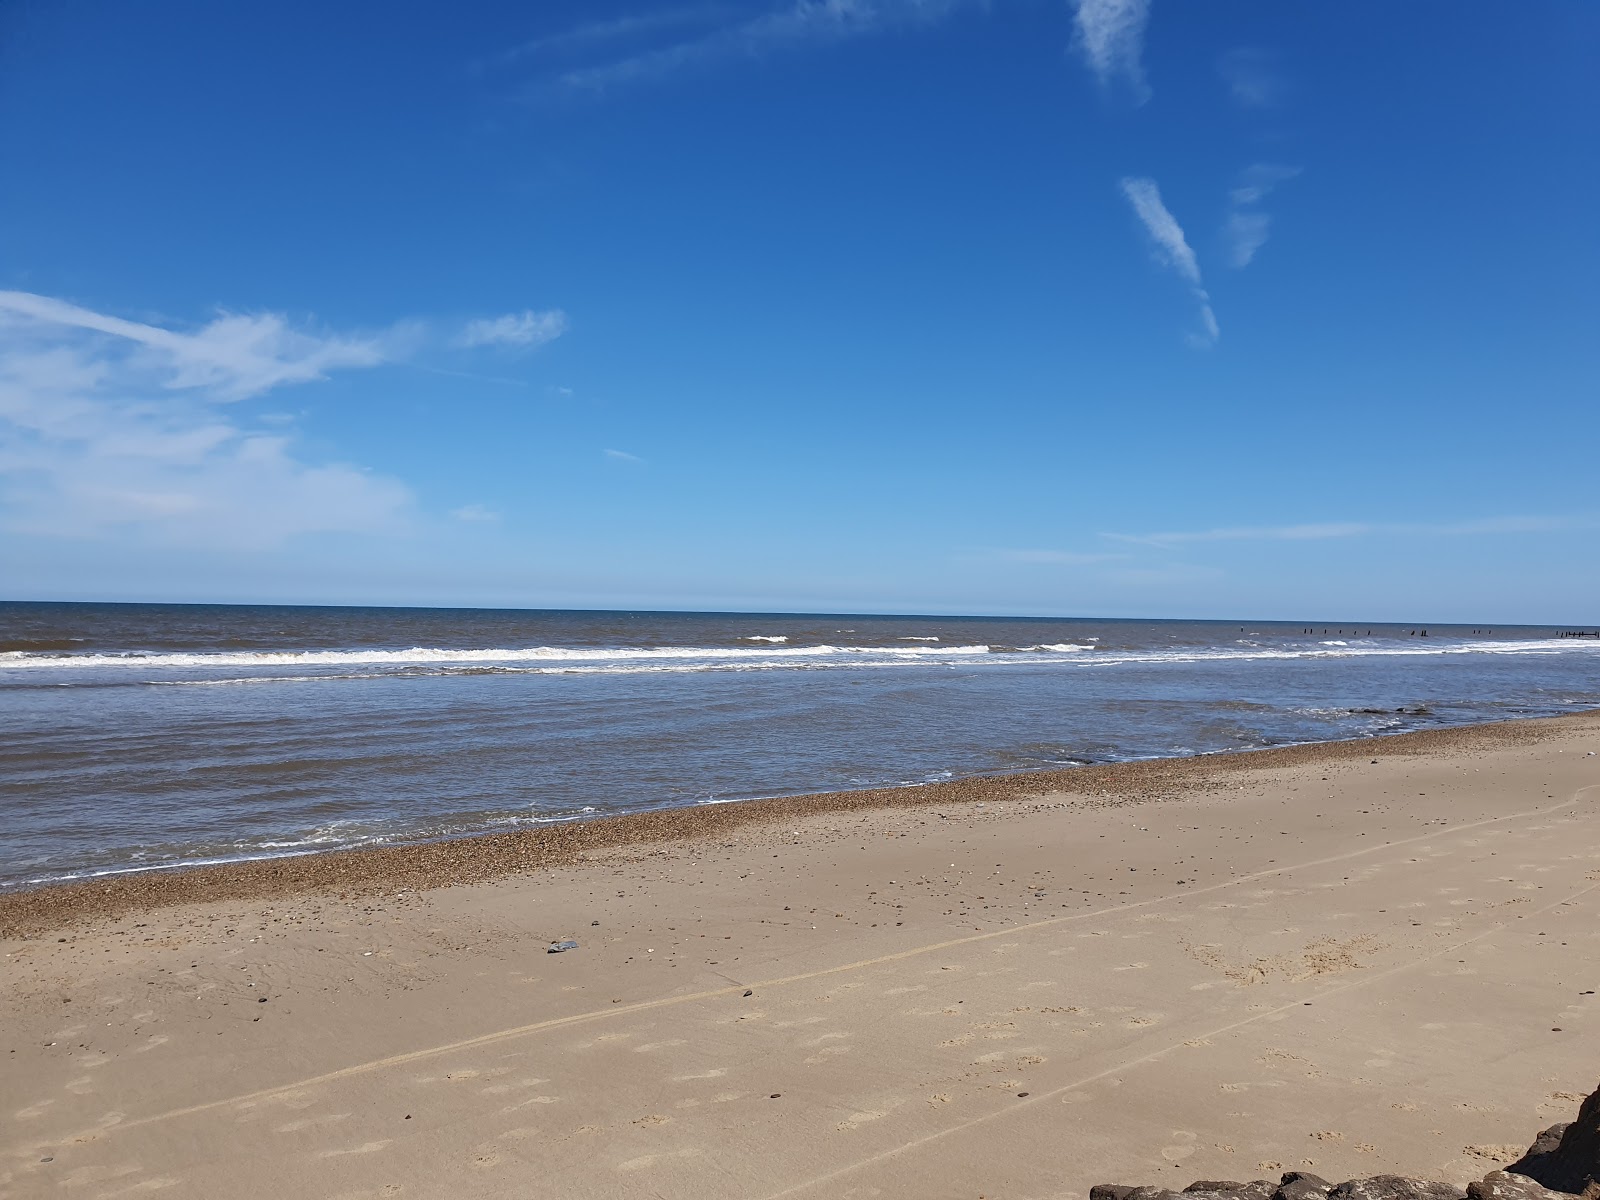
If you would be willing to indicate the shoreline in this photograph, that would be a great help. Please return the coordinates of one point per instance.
(31, 910)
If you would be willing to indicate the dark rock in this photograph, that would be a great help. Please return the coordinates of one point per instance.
(1572, 1163)
(1110, 1191)
(1213, 1185)
(1396, 1187)
(1498, 1185)
(1256, 1189)
(1301, 1185)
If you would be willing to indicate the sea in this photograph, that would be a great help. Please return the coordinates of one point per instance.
(145, 737)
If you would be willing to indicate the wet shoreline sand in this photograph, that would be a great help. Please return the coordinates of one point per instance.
(351, 873)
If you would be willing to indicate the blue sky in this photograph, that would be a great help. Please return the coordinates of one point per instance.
(1028, 306)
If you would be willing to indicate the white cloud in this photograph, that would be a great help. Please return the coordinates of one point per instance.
(111, 426)
(799, 23)
(1246, 233)
(475, 514)
(1173, 251)
(622, 456)
(1172, 248)
(527, 329)
(1252, 76)
(233, 357)
(1110, 34)
(1247, 226)
(1351, 529)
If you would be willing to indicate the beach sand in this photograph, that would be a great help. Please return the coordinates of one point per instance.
(1220, 968)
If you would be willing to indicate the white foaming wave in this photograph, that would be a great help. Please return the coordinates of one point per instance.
(919, 639)
(433, 655)
(683, 659)
(758, 637)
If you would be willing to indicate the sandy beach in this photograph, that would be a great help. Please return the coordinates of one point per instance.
(1351, 958)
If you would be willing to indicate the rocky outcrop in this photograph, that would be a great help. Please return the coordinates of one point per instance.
(1503, 1185)
(1566, 1158)
(1562, 1163)
(1396, 1187)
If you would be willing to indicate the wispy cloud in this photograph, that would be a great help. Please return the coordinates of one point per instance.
(796, 24)
(1110, 35)
(623, 456)
(1353, 529)
(1247, 226)
(1058, 558)
(1252, 76)
(617, 29)
(475, 514)
(113, 426)
(1172, 250)
(525, 330)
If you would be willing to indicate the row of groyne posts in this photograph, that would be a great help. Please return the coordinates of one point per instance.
(1357, 633)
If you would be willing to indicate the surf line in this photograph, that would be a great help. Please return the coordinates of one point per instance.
(738, 989)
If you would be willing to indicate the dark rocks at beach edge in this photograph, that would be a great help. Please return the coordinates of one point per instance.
(1562, 1163)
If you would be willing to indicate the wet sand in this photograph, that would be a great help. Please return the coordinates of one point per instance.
(1221, 968)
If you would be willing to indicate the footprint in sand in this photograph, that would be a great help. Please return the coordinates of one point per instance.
(649, 1160)
(714, 1073)
(310, 1122)
(364, 1148)
(856, 1120)
(827, 1037)
(1183, 1146)
(521, 1104)
(826, 1053)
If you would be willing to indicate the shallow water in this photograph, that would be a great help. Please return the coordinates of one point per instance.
(139, 736)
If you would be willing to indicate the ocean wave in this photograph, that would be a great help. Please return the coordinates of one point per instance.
(776, 639)
(316, 665)
(431, 654)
